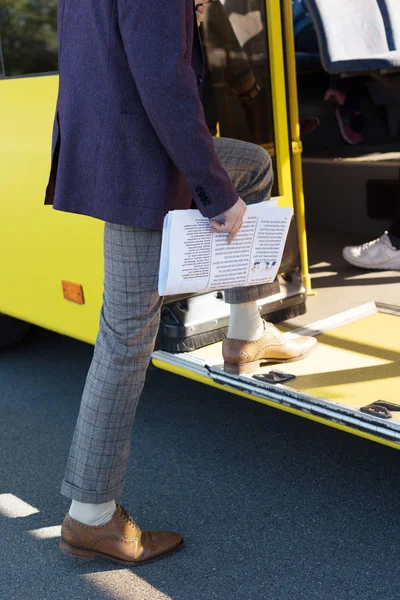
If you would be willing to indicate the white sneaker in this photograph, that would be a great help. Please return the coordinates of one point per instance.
(378, 254)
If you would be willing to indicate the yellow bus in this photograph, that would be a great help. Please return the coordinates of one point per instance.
(51, 270)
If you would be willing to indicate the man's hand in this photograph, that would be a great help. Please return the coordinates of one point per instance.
(200, 10)
(230, 221)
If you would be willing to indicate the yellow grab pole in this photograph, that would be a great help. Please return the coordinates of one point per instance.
(297, 146)
(281, 130)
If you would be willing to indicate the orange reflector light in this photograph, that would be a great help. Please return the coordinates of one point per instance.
(73, 292)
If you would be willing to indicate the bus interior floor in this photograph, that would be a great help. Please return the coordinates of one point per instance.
(338, 286)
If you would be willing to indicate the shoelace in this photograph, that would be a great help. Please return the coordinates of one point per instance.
(127, 517)
(371, 243)
(274, 330)
(269, 325)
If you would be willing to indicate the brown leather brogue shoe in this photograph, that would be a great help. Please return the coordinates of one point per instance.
(246, 356)
(120, 540)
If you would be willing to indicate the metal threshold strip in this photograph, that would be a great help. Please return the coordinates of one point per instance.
(284, 397)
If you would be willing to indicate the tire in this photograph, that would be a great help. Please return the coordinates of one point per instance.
(12, 331)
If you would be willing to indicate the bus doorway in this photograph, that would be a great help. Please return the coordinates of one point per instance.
(351, 381)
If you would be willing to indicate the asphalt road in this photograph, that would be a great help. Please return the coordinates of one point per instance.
(271, 506)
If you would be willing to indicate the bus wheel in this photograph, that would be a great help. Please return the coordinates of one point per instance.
(12, 330)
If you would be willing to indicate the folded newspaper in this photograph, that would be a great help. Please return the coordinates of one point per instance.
(194, 260)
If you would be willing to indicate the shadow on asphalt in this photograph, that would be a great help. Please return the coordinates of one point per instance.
(271, 506)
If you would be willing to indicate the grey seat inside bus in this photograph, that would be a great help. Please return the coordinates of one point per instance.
(353, 36)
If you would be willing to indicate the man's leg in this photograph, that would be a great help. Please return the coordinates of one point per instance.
(250, 340)
(128, 326)
(100, 448)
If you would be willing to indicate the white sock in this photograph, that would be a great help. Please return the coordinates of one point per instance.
(245, 322)
(92, 514)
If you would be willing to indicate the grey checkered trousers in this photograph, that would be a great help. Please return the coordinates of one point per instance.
(129, 323)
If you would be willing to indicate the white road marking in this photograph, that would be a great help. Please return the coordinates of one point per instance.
(124, 585)
(13, 507)
(46, 533)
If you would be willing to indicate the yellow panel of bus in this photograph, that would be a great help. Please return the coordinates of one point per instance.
(39, 246)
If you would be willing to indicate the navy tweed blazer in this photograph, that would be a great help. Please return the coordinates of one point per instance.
(130, 141)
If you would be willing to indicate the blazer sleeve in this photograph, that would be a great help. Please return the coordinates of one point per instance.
(155, 39)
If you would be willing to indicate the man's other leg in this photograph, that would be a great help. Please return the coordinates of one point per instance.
(250, 340)
(250, 169)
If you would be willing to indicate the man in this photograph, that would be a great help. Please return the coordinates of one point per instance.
(130, 143)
